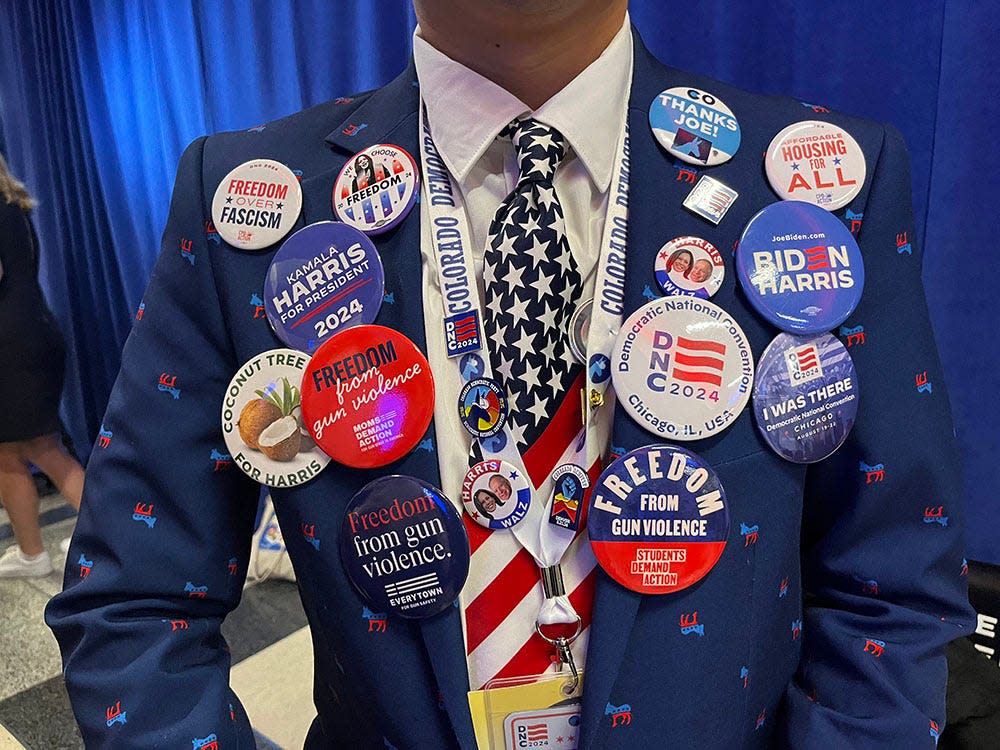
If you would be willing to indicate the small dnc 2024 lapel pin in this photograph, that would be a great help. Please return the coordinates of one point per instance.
(256, 204)
(710, 199)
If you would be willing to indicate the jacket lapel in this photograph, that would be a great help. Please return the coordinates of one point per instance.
(389, 115)
(615, 607)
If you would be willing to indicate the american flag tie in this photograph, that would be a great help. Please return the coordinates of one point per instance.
(532, 288)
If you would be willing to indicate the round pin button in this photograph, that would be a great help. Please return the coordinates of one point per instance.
(800, 267)
(326, 277)
(404, 547)
(471, 366)
(569, 485)
(694, 126)
(262, 421)
(682, 368)
(482, 407)
(815, 161)
(805, 396)
(658, 519)
(496, 494)
(376, 188)
(256, 204)
(579, 329)
(689, 267)
(367, 396)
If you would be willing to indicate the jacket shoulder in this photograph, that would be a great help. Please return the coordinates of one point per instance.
(759, 115)
(297, 140)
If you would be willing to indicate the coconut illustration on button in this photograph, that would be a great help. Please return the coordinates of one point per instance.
(262, 421)
(272, 422)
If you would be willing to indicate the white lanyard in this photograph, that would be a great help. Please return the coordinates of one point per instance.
(452, 253)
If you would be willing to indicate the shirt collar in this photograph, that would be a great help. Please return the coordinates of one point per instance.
(466, 111)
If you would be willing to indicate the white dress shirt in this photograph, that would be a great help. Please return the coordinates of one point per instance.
(466, 112)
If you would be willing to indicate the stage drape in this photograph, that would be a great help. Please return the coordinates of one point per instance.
(98, 99)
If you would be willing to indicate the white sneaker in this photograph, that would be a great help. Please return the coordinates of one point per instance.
(15, 564)
(64, 544)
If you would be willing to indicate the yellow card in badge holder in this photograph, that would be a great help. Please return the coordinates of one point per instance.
(532, 711)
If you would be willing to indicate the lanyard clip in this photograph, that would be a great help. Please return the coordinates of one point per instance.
(565, 654)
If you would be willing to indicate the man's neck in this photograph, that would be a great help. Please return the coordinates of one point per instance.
(530, 49)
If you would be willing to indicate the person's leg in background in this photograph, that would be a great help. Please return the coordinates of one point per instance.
(19, 496)
(27, 557)
(50, 455)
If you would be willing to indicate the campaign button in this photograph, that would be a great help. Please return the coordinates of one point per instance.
(462, 333)
(800, 267)
(569, 484)
(404, 547)
(815, 161)
(326, 277)
(689, 267)
(482, 407)
(496, 494)
(805, 396)
(367, 396)
(471, 366)
(599, 368)
(658, 519)
(376, 188)
(682, 368)
(579, 330)
(694, 126)
(262, 421)
(710, 199)
(256, 204)
(493, 444)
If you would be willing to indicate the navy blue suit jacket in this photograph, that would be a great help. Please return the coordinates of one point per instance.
(822, 561)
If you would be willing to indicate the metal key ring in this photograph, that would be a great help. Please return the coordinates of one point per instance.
(554, 641)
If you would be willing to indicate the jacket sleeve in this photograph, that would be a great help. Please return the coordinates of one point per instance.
(882, 564)
(160, 551)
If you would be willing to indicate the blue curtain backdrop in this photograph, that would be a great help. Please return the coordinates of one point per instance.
(98, 99)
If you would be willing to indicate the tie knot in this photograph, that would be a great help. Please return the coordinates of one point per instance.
(539, 149)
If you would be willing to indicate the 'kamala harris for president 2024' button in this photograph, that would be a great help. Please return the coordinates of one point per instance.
(326, 277)
(658, 519)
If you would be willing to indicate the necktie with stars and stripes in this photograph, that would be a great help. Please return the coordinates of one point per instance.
(532, 288)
